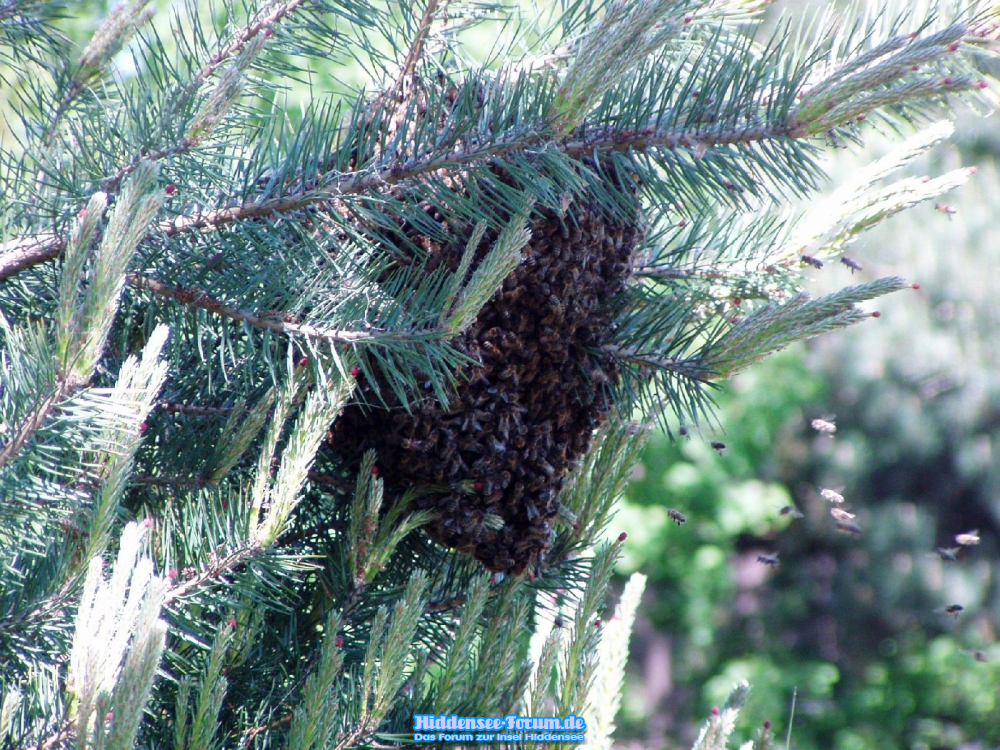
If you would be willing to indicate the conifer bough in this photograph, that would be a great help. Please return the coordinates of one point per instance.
(289, 343)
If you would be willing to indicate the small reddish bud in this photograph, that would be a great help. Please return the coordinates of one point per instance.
(914, 67)
(268, 33)
(597, 622)
(767, 724)
(682, 223)
(142, 426)
(687, 19)
(232, 622)
(478, 486)
(170, 189)
(304, 361)
(109, 716)
(876, 314)
(225, 504)
(982, 84)
(861, 118)
(914, 35)
(493, 578)
(531, 576)
(374, 471)
(973, 169)
(736, 301)
(354, 372)
(147, 523)
(925, 178)
(914, 286)
(953, 47)
(171, 574)
(576, 527)
(715, 710)
(948, 81)
(622, 537)
(81, 213)
(339, 642)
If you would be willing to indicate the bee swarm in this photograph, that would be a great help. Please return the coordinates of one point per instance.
(521, 417)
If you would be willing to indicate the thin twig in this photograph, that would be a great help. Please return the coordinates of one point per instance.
(168, 481)
(200, 299)
(235, 559)
(680, 366)
(409, 66)
(197, 411)
(30, 426)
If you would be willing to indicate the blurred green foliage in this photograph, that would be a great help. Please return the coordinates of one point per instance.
(853, 623)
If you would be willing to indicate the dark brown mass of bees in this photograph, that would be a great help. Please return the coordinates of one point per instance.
(528, 410)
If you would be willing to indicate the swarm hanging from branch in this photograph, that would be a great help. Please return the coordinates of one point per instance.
(528, 402)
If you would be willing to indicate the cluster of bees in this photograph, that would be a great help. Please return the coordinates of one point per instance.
(497, 455)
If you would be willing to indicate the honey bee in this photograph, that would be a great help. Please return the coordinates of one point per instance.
(811, 261)
(716, 445)
(952, 609)
(770, 561)
(944, 208)
(852, 264)
(849, 527)
(676, 516)
(823, 425)
(833, 497)
(791, 510)
(968, 539)
(841, 515)
(948, 554)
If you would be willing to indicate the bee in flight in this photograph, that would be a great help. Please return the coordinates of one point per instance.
(948, 554)
(833, 497)
(849, 527)
(968, 539)
(952, 609)
(676, 516)
(852, 264)
(823, 425)
(718, 446)
(791, 510)
(770, 561)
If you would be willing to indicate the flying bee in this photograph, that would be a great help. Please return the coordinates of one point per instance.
(770, 561)
(979, 656)
(952, 609)
(823, 425)
(944, 208)
(841, 515)
(948, 554)
(811, 261)
(676, 516)
(848, 527)
(716, 445)
(852, 264)
(833, 497)
(968, 539)
(791, 510)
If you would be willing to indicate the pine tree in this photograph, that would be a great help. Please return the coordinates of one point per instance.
(348, 397)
